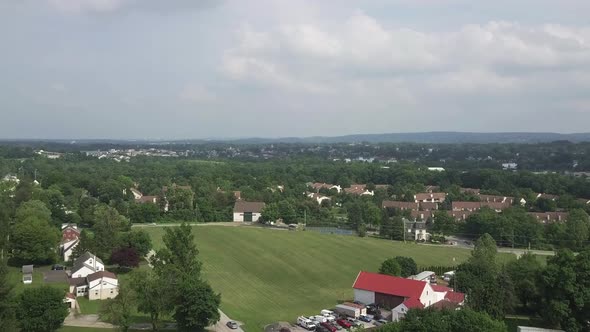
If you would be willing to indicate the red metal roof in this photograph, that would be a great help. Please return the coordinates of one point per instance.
(413, 303)
(381, 283)
(455, 297)
(439, 288)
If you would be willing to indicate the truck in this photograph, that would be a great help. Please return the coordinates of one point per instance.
(350, 310)
(306, 323)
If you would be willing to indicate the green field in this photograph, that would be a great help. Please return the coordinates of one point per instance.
(267, 275)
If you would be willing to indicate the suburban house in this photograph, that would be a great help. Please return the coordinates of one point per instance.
(319, 198)
(436, 169)
(136, 193)
(85, 265)
(359, 189)
(417, 230)
(583, 200)
(70, 237)
(27, 274)
(547, 196)
(247, 211)
(549, 217)
(460, 215)
(496, 199)
(99, 285)
(401, 294)
(89, 278)
(317, 186)
(430, 197)
(509, 166)
(400, 205)
(147, 199)
(476, 206)
(428, 206)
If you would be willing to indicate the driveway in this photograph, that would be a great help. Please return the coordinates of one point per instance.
(55, 276)
(86, 321)
(221, 327)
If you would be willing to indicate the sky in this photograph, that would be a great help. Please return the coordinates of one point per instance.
(180, 69)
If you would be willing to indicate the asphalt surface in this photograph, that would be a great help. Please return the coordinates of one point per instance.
(221, 325)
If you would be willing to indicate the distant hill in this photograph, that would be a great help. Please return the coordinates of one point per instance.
(427, 137)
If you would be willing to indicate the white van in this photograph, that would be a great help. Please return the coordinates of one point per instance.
(306, 323)
(328, 314)
(319, 318)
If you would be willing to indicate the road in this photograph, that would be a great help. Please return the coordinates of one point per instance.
(226, 224)
(462, 244)
(221, 327)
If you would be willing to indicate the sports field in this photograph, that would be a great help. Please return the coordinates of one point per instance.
(267, 275)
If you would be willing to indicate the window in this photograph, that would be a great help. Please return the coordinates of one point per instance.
(111, 291)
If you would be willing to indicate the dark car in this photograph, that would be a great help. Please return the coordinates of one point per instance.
(57, 267)
(372, 309)
(232, 325)
(320, 328)
(365, 318)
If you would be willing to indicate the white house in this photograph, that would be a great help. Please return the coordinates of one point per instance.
(318, 197)
(136, 193)
(509, 166)
(102, 285)
(85, 265)
(247, 211)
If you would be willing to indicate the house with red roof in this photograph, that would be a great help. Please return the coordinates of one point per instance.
(70, 237)
(401, 294)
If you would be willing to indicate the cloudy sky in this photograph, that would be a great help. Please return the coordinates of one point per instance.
(268, 68)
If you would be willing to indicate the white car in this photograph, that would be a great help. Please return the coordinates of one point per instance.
(319, 318)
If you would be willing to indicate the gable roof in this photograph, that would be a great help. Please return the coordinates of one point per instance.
(243, 206)
(101, 274)
(441, 289)
(381, 283)
(27, 269)
(400, 205)
(77, 281)
(413, 303)
(427, 196)
(80, 261)
(455, 297)
(147, 199)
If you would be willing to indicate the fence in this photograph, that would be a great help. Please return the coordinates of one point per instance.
(330, 230)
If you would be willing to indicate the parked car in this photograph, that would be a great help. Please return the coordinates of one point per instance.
(232, 325)
(381, 322)
(57, 267)
(306, 323)
(320, 328)
(344, 323)
(372, 309)
(318, 318)
(366, 318)
(328, 326)
(354, 322)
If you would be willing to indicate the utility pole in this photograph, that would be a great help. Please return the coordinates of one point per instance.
(405, 230)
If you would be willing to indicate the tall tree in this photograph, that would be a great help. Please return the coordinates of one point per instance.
(119, 311)
(198, 306)
(525, 272)
(139, 240)
(41, 309)
(108, 224)
(407, 265)
(33, 241)
(390, 267)
(33, 209)
(7, 310)
(155, 295)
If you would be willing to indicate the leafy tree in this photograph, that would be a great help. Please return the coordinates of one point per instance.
(108, 223)
(85, 244)
(390, 267)
(198, 306)
(144, 213)
(545, 204)
(479, 278)
(180, 198)
(54, 199)
(155, 295)
(577, 229)
(41, 309)
(119, 311)
(33, 209)
(565, 283)
(271, 212)
(524, 272)
(179, 255)
(407, 265)
(7, 310)
(443, 223)
(125, 257)
(362, 230)
(139, 240)
(34, 241)
(434, 320)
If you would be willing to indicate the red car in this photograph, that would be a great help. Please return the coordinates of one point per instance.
(344, 323)
(329, 326)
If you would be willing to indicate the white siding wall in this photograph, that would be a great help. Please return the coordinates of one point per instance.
(428, 296)
(255, 217)
(239, 216)
(82, 273)
(398, 312)
(364, 296)
(102, 289)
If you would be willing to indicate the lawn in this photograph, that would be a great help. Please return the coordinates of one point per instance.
(267, 275)
(15, 277)
(88, 307)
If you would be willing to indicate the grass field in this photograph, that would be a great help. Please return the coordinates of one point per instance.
(15, 277)
(267, 275)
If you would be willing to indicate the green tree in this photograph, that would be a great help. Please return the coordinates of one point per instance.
(144, 213)
(479, 278)
(34, 241)
(390, 267)
(270, 213)
(407, 265)
(41, 309)
(85, 244)
(525, 272)
(33, 209)
(565, 284)
(435, 320)
(107, 225)
(155, 295)
(7, 310)
(119, 311)
(137, 239)
(198, 306)
(443, 223)
(577, 229)
(179, 255)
